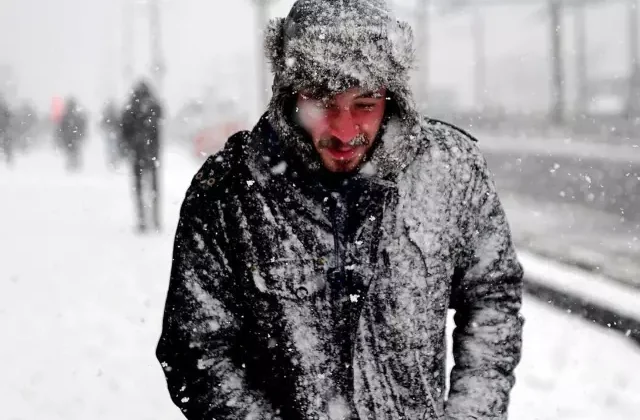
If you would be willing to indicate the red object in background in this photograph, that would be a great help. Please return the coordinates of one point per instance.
(57, 109)
(210, 140)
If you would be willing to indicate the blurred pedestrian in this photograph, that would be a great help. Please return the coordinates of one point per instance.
(72, 132)
(25, 125)
(141, 132)
(6, 135)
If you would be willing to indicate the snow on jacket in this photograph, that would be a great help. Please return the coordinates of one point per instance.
(291, 299)
(5, 118)
(297, 294)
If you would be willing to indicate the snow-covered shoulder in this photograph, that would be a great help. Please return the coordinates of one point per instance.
(219, 170)
(452, 150)
(448, 136)
(449, 177)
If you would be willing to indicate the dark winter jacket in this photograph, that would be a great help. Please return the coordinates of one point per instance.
(141, 124)
(298, 294)
(299, 300)
(5, 123)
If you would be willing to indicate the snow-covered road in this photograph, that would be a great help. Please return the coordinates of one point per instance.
(81, 300)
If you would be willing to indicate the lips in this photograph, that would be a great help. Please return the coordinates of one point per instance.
(342, 153)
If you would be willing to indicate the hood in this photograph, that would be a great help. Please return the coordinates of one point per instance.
(334, 45)
(142, 90)
(141, 94)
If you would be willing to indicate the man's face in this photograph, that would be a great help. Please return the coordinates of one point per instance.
(343, 126)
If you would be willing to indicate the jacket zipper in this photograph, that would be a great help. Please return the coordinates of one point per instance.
(427, 389)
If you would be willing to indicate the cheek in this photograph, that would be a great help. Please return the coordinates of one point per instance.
(313, 119)
(370, 121)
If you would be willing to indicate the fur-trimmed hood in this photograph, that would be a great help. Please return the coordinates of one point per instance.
(331, 46)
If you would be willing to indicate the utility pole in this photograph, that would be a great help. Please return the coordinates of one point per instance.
(582, 83)
(557, 63)
(157, 56)
(480, 62)
(634, 60)
(554, 15)
(261, 16)
(422, 49)
(127, 43)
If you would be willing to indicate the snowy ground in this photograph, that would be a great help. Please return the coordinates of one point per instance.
(576, 235)
(81, 300)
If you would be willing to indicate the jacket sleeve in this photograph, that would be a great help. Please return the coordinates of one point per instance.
(197, 348)
(159, 111)
(128, 125)
(487, 297)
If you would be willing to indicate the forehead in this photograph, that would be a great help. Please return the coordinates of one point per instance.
(348, 94)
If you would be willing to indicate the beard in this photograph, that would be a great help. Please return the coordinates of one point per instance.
(348, 165)
(344, 167)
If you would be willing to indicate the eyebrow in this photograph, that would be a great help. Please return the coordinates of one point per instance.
(370, 95)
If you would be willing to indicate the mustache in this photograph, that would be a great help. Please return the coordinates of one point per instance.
(332, 142)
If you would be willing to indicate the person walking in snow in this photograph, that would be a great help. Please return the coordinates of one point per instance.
(141, 133)
(6, 135)
(71, 134)
(316, 256)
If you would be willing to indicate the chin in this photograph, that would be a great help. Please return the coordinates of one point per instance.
(342, 167)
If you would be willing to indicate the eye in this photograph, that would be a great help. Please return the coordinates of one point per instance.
(364, 106)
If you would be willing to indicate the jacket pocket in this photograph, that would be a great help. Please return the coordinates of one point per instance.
(292, 279)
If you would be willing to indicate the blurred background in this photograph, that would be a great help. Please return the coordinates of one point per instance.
(551, 88)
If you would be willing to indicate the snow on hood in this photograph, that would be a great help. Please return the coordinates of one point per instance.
(334, 45)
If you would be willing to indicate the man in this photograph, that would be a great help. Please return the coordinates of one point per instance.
(6, 135)
(26, 126)
(71, 134)
(141, 133)
(316, 257)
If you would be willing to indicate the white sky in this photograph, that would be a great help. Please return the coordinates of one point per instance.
(59, 47)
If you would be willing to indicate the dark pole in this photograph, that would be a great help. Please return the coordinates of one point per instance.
(480, 62)
(557, 67)
(127, 44)
(262, 68)
(582, 97)
(157, 56)
(634, 75)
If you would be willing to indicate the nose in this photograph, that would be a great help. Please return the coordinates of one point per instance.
(343, 127)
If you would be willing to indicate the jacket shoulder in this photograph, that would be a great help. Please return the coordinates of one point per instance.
(217, 173)
(453, 141)
(447, 128)
(447, 135)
